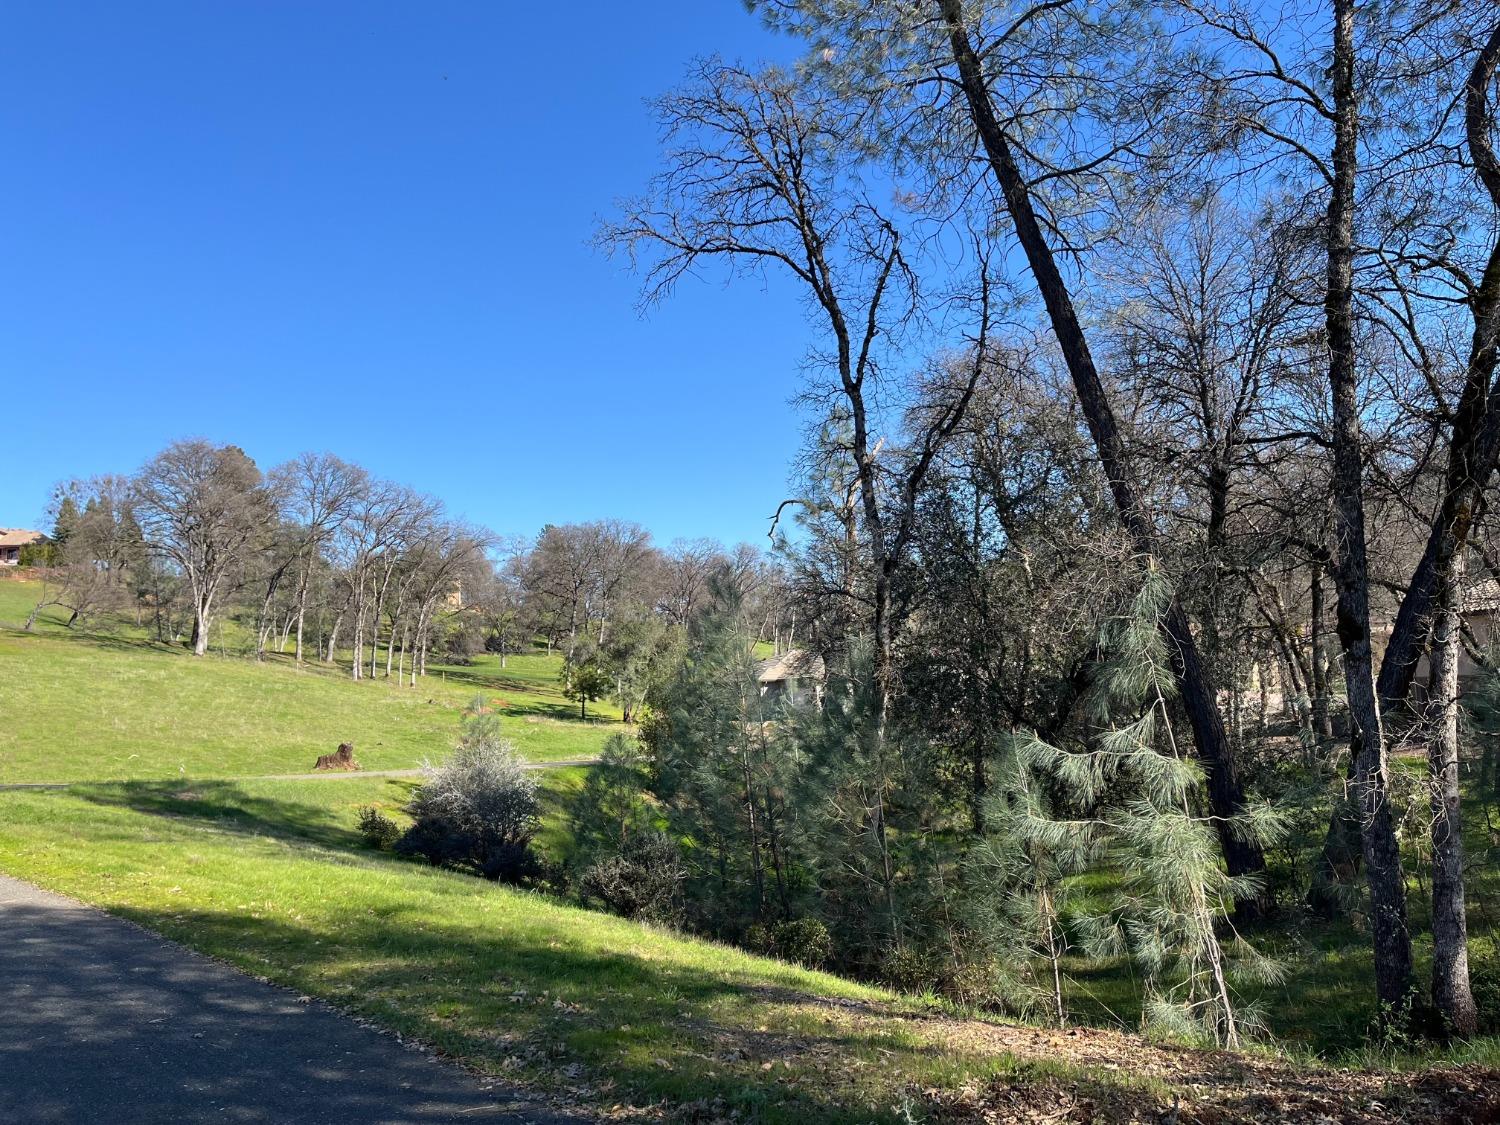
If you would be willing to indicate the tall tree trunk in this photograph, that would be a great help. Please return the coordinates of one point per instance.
(357, 657)
(1451, 994)
(202, 619)
(333, 636)
(1198, 696)
(303, 582)
(1322, 720)
(1473, 447)
(390, 646)
(1451, 991)
(1382, 855)
(757, 867)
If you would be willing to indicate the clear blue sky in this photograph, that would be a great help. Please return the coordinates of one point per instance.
(362, 227)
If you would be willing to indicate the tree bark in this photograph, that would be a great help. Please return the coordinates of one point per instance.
(1451, 994)
(1197, 693)
(202, 619)
(1473, 448)
(1382, 855)
(302, 584)
(1322, 720)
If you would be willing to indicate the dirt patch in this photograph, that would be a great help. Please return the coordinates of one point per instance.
(1166, 1085)
(1084, 1076)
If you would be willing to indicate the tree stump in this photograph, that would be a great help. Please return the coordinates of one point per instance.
(342, 760)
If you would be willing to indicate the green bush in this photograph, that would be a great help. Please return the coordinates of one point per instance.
(805, 941)
(906, 970)
(643, 881)
(1484, 979)
(379, 831)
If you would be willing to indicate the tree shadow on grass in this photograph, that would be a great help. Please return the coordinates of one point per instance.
(490, 681)
(514, 999)
(228, 807)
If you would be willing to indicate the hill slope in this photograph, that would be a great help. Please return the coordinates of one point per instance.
(270, 874)
(116, 706)
(598, 1010)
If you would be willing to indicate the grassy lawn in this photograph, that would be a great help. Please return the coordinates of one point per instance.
(269, 876)
(259, 874)
(170, 821)
(116, 706)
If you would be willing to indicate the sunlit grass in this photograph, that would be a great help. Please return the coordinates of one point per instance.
(267, 876)
(112, 705)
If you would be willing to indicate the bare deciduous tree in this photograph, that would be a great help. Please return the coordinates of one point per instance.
(203, 508)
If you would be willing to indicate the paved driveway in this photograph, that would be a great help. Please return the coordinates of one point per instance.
(101, 1021)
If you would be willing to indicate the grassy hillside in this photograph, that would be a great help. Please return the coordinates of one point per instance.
(172, 821)
(116, 706)
(594, 1009)
(509, 979)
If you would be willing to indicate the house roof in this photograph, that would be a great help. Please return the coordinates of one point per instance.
(793, 663)
(1482, 596)
(19, 537)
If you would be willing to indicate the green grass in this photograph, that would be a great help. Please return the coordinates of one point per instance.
(266, 875)
(322, 811)
(172, 823)
(108, 706)
(270, 875)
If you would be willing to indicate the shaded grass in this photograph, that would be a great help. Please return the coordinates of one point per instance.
(113, 706)
(318, 811)
(513, 982)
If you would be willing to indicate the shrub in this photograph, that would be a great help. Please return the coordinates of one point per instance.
(477, 812)
(804, 941)
(379, 831)
(1484, 979)
(906, 970)
(614, 805)
(643, 881)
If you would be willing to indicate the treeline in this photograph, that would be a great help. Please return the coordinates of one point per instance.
(319, 560)
(1155, 426)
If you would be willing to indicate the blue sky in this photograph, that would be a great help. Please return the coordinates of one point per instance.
(362, 228)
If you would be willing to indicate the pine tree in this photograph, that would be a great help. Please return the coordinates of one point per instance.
(1145, 795)
(66, 522)
(1019, 876)
(725, 775)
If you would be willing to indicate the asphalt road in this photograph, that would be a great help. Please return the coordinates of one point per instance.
(101, 1021)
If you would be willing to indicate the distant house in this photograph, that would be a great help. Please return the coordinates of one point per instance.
(12, 539)
(1481, 627)
(1481, 634)
(794, 677)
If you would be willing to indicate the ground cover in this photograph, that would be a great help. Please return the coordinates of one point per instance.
(173, 824)
(592, 1008)
(112, 705)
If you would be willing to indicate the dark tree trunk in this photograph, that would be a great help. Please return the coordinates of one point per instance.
(1322, 720)
(1473, 448)
(1198, 695)
(1382, 856)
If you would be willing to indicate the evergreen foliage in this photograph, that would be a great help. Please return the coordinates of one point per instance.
(1143, 809)
(726, 776)
(584, 679)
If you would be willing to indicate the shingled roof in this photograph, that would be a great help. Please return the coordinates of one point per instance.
(19, 537)
(794, 664)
